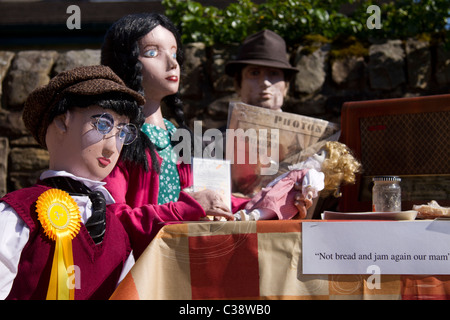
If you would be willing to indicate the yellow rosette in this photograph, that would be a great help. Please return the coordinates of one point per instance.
(60, 218)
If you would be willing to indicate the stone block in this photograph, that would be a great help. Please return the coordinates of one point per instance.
(11, 124)
(442, 65)
(386, 65)
(312, 69)
(29, 70)
(192, 76)
(418, 61)
(28, 159)
(348, 71)
(5, 62)
(76, 58)
(4, 151)
(20, 180)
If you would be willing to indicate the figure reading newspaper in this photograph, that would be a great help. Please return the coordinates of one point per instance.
(261, 75)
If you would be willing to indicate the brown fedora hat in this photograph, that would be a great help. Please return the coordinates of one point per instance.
(90, 80)
(264, 48)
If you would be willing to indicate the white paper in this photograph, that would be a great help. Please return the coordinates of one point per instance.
(213, 174)
(391, 247)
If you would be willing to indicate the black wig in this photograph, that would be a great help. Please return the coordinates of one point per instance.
(120, 51)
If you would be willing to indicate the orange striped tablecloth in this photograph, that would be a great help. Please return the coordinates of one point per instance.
(252, 260)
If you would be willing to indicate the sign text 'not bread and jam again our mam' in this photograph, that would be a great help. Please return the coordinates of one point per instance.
(394, 247)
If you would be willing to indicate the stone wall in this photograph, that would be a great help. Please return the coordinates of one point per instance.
(391, 69)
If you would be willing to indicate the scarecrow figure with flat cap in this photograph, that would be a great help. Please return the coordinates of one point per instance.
(59, 240)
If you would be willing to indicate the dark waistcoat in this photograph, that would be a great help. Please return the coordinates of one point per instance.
(97, 267)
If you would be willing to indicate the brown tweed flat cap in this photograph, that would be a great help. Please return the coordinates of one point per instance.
(91, 80)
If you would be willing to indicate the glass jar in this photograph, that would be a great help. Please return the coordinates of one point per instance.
(386, 194)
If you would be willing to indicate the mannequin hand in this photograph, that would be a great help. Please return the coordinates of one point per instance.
(302, 202)
(213, 204)
(244, 215)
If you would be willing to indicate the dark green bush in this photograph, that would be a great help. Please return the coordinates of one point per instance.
(295, 19)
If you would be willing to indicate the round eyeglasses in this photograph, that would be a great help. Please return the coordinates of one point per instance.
(104, 123)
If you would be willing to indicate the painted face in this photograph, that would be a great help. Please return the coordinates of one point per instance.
(263, 86)
(160, 69)
(93, 154)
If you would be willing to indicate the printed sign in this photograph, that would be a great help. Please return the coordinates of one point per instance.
(393, 247)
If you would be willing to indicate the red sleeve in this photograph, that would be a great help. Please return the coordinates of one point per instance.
(143, 223)
(117, 183)
(185, 173)
(238, 203)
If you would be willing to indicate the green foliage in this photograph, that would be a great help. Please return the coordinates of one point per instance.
(295, 19)
(407, 18)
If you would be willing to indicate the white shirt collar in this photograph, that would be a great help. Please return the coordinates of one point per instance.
(91, 184)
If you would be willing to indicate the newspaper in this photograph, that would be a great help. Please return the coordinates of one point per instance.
(276, 139)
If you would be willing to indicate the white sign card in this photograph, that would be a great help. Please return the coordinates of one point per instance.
(391, 247)
(212, 174)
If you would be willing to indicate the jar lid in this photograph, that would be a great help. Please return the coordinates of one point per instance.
(386, 178)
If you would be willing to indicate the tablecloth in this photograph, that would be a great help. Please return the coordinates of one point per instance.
(253, 260)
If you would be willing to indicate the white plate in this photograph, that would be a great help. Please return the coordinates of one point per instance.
(397, 215)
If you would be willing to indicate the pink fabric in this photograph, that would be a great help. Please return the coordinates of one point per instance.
(131, 186)
(280, 197)
(143, 223)
(136, 194)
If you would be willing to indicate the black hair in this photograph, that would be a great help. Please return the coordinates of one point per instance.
(120, 51)
(118, 102)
